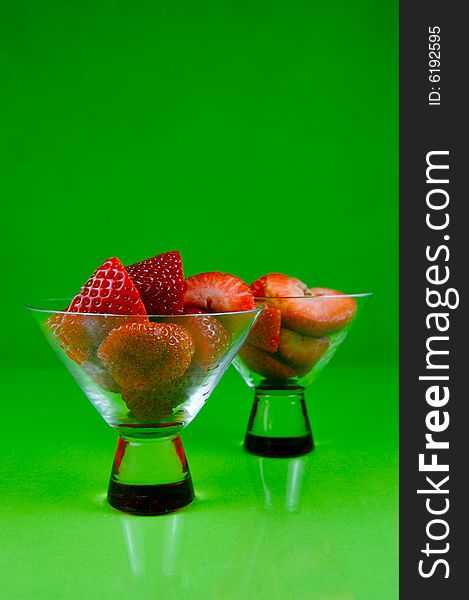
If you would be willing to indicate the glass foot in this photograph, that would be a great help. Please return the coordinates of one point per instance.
(279, 424)
(150, 499)
(277, 447)
(149, 476)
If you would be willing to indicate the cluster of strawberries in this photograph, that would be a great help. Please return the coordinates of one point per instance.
(117, 328)
(152, 363)
(292, 332)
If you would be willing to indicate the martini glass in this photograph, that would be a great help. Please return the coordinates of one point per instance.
(150, 474)
(279, 424)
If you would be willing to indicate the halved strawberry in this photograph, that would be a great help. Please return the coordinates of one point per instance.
(108, 291)
(317, 316)
(218, 292)
(277, 285)
(265, 333)
(265, 364)
(211, 338)
(160, 282)
(258, 287)
(143, 355)
(301, 351)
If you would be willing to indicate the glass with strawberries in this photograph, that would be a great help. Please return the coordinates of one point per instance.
(294, 338)
(147, 347)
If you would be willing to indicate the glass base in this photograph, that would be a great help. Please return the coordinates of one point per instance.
(277, 447)
(279, 424)
(150, 499)
(150, 475)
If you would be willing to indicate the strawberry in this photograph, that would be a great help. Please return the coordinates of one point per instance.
(143, 355)
(265, 333)
(218, 292)
(300, 312)
(316, 316)
(72, 332)
(301, 351)
(95, 370)
(277, 285)
(211, 338)
(160, 282)
(147, 405)
(158, 402)
(265, 364)
(258, 287)
(108, 291)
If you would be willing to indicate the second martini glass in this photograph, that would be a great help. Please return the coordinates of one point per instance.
(279, 425)
(111, 356)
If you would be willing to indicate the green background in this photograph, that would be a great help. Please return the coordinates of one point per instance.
(252, 136)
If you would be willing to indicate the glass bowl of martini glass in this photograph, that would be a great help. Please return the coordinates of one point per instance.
(291, 343)
(148, 376)
(147, 347)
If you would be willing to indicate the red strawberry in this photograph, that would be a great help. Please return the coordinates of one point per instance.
(258, 287)
(94, 369)
(219, 292)
(266, 331)
(160, 281)
(211, 338)
(277, 285)
(158, 402)
(147, 405)
(143, 355)
(301, 351)
(72, 332)
(108, 291)
(265, 364)
(317, 316)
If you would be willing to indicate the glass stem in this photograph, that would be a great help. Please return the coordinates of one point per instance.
(149, 476)
(279, 424)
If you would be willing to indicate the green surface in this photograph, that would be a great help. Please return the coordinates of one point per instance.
(322, 527)
(253, 136)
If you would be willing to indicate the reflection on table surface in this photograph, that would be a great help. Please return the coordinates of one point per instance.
(321, 526)
(246, 559)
